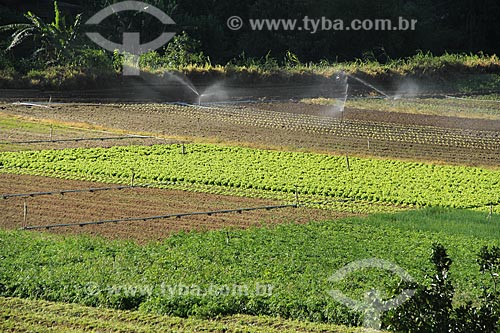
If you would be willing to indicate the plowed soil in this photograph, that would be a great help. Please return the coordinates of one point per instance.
(293, 126)
(136, 202)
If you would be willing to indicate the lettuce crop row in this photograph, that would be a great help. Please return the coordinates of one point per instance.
(275, 172)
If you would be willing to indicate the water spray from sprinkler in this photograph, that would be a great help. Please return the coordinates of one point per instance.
(184, 81)
(342, 78)
(370, 86)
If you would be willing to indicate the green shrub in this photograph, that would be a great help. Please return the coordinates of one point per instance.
(98, 60)
(183, 50)
(431, 308)
(152, 61)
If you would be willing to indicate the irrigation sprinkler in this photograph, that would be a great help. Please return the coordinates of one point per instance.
(183, 149)
(51, 131)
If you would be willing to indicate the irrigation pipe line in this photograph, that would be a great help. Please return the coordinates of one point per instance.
(160, 217)
(79, 139)
(91, 190)
(62, 192)
(31, 104)
(111, 132)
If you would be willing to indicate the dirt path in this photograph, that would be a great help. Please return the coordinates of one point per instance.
(137, 202)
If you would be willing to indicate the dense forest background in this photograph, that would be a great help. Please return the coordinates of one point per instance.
(454, 26)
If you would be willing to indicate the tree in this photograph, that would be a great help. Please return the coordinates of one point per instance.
(54, 42)
(431, 308)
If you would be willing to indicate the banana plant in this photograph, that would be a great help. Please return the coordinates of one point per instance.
(53, 41)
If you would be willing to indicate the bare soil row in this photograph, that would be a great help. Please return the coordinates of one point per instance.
(136, 202)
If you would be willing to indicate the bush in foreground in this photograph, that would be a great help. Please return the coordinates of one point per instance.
(431, 309)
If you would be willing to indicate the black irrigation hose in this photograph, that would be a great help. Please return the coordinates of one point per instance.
(79, 139)
(160, 217)
(62, 192)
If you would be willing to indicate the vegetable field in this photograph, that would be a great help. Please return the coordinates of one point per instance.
(194, 274)
(242, 265)
(269, 174)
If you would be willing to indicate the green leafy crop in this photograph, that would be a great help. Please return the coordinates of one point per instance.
(271, 173)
